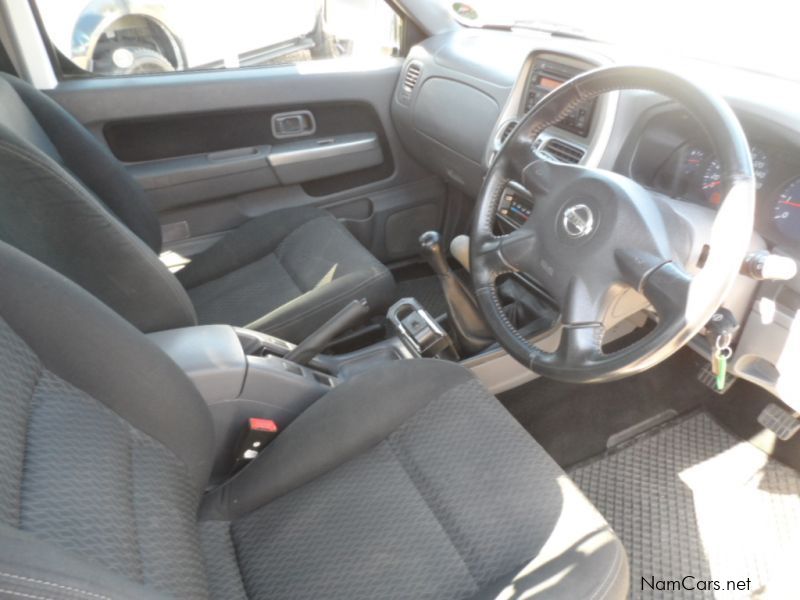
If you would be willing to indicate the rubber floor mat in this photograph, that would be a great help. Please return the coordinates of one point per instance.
(427, 291)
(693, 504)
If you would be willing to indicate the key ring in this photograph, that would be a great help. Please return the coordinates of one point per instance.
(723, 343)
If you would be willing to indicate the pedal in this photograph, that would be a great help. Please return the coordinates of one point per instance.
(779, 421)
(707, 377)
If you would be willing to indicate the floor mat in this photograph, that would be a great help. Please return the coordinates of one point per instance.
(574, 421)
(692, 500)
(427, 291)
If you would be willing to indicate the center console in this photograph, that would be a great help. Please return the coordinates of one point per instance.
(244, 374)
(582, 135)
(547, 75)
(241, 375)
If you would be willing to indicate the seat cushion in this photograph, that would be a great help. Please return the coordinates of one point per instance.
(285, 273)
(409, 481)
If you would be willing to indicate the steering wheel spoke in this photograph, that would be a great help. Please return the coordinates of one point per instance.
(518, 248)
(585, 302)
(506, 253)
(636, 266)
(580, 344)
(664, 283)
(668, 289)
(542, 175)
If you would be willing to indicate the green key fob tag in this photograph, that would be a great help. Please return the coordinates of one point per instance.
(719, 365)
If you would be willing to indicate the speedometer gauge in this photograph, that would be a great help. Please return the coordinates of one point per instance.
(712, 178)
(760, 166)
(786, 213)
(692, 161)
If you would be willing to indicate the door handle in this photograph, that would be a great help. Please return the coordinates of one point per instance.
(292, 124)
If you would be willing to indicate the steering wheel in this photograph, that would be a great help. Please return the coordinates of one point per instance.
(593, 234)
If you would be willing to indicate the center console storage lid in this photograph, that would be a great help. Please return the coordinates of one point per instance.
(211, 355)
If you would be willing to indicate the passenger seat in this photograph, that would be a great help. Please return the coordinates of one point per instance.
(70, 204)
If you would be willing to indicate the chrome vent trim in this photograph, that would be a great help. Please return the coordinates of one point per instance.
(506, 131)
(564, 152)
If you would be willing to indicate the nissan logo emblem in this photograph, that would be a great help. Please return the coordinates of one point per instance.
(578, 221)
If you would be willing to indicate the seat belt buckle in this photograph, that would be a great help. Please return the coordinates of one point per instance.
(257, 434)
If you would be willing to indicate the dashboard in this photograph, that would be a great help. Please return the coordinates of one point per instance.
(461, 94)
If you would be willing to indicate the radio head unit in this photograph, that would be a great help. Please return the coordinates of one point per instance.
(545, 77)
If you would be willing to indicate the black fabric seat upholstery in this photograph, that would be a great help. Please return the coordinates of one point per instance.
(409, 481)
(285, 273)
(69, 203)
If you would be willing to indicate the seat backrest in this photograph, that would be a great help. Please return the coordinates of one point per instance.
(65, 200)
(43, 123)
(105, 449)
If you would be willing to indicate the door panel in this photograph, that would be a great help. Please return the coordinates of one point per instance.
(208, 149)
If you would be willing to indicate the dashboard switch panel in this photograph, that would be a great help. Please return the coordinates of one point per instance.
(514, 210)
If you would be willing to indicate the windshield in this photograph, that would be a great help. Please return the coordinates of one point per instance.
(760, 36)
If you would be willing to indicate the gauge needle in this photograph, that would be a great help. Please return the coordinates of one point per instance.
(788, 202)
(713, 184)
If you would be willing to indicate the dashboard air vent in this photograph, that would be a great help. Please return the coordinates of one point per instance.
(506, 132)
(413, 72)
(564, 152)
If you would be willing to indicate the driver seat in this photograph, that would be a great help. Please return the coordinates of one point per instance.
(410, 481)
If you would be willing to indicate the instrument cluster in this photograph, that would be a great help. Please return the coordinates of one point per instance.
(693, 173)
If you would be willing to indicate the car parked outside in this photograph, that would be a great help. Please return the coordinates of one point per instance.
(125, 37)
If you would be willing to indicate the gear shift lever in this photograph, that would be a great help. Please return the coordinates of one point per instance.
(470, 331)
(431, 247)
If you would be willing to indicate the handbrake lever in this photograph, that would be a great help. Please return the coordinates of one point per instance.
(351, 315)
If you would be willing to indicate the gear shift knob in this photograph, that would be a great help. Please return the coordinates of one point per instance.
(431, 248)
